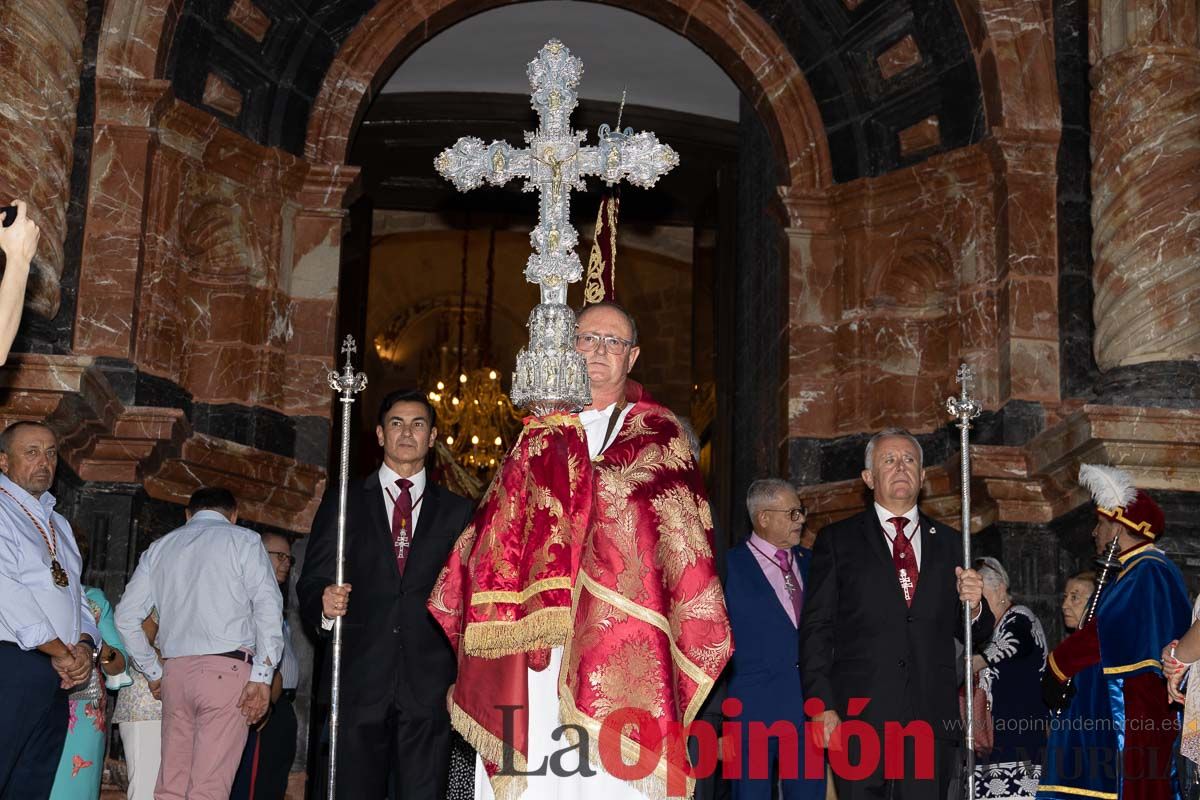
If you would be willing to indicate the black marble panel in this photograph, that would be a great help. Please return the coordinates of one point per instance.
(304, 438)
(812, 461)
(1077, 364)
(1166, 384)
(760, 318)
(835, 47)
(1013, 425)
(278, 78)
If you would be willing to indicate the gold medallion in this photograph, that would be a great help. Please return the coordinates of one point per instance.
(59, 574)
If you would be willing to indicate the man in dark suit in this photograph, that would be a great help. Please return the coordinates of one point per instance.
(396, 663)
(883, 609)
(764, 590)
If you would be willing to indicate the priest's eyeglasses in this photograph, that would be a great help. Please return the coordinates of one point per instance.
(587, 342)
(281, 557)
(795, 514)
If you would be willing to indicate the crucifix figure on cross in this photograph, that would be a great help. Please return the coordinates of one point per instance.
(554, 163)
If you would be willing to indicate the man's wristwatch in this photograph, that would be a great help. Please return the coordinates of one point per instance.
(85, 639)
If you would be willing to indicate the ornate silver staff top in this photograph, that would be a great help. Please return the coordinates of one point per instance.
(966, 408)
(550, 375)
(346, 381)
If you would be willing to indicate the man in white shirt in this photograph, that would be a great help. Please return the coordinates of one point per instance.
(220, 631)
(882, 610)
(396, 664)
(48, 636)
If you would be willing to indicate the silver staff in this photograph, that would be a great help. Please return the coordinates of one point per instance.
(966, 408)
(347, 383)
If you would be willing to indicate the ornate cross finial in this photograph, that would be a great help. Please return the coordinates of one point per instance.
(555, 162)
(964, 407)
(347, 381)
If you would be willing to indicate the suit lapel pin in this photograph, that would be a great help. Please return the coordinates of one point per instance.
(932, 530)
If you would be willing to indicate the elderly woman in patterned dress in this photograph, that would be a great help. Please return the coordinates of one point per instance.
(1010, 672)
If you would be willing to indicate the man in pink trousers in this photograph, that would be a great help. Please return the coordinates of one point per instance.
(220, 633)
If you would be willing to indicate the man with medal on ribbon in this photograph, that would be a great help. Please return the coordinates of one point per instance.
(400, 526)
(1116, 737)
(882, 611)
(48, 635)
(764, 590)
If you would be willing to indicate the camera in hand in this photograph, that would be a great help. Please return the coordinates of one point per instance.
(8, 215)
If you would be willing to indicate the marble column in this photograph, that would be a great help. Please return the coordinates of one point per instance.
(42, 43)
(1145, 114)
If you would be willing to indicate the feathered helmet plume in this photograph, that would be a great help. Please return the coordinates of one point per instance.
(1116, 498)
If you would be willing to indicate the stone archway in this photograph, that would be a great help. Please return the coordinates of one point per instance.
(732, 34)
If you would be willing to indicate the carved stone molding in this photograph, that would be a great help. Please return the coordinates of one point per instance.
(103, 440)
(1037, 483)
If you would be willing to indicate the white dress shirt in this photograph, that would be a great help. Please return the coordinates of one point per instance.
(289, 665)
(387, 483)
(215, 591)
(33, 609)
(912, 529)
(595, 425)
(387, 480)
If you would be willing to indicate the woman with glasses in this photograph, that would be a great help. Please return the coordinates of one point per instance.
(1009, 672)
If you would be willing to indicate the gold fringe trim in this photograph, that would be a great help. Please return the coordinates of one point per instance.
(546, 627)
(544, 585)
(491, 749)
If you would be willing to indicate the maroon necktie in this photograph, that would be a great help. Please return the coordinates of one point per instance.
(402, 523)
(905, 560)
(789, 581)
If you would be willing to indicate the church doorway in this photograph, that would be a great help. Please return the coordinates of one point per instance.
(439, 273)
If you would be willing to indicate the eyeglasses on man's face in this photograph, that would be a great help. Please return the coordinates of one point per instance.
(795, 514)
(587, 342)
(281, 557)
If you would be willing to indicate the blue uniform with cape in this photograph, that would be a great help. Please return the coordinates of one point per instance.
(1115, 741)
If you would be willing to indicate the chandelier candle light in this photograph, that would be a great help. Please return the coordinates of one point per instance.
(550, 376)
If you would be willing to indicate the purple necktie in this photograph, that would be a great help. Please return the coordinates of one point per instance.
(789, 581)
(402, 523)
(905, 560)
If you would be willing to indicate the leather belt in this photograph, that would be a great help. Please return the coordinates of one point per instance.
(239, 655)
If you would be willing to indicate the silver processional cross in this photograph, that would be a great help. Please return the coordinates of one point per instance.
(554, 163)
(549, 374)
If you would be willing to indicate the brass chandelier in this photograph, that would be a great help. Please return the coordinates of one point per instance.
(475, 416)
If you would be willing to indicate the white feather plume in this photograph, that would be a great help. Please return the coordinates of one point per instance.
(1110, 487)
